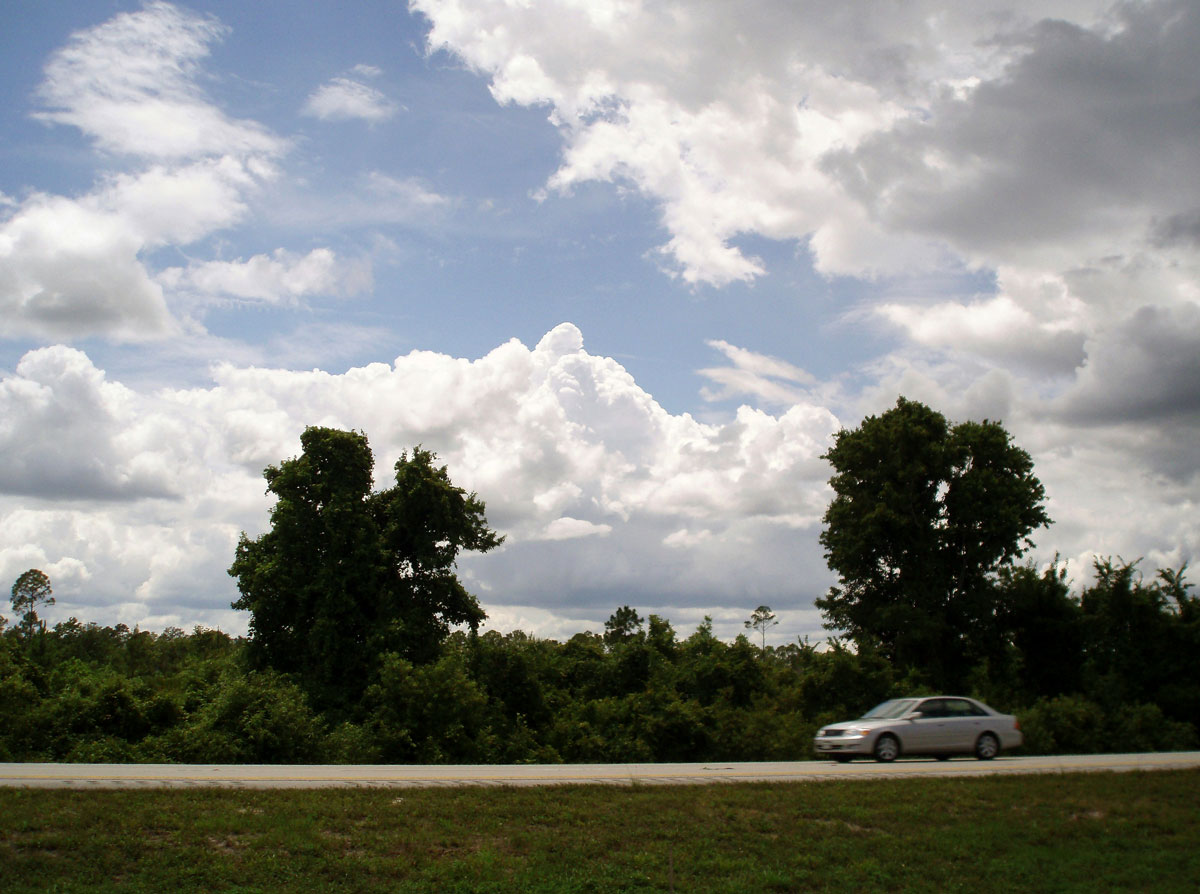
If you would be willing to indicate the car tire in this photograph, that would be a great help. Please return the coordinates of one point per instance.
(887, 748)
(987, 747)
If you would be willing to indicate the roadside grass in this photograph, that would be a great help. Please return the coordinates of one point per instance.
(1071, 832)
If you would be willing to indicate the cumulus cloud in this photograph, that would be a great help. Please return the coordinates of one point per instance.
(73, 267)
(996, 328)
(343, 99)
(1048, 146)
(70, 269)
(68, 434)
(583, 471)
(612, 498)
(1050, 143)
(752, 145)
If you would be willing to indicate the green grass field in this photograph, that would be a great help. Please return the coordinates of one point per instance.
(1079, 832)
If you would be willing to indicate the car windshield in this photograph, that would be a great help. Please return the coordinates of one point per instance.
(890, 710)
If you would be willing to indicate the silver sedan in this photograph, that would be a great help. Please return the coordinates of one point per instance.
(936, 726)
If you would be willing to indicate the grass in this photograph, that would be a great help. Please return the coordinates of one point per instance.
(1085, 832)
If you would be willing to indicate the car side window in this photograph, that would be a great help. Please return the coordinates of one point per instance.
(956, 707)
(934, 707)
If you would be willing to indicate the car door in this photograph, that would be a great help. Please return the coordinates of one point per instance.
(921, 735)
(961, 726)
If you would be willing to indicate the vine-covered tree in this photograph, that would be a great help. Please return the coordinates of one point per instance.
(345, 575)
(923, 515)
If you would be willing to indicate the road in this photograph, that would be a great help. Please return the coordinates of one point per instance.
(142, 776)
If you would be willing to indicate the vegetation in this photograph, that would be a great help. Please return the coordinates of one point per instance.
(923, 516)
(1133, 831)
(346, 576)
(365, 648)
(1111, 670)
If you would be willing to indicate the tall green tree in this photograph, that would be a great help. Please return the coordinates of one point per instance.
(29, 591)
(622, 626)
(761, 619)
(345, 575)
(923, 515)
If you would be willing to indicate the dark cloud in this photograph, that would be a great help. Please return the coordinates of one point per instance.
(1085, 134)
(1177, 230)
(1146, 371)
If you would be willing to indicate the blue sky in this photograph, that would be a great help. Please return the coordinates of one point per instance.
(627, 267)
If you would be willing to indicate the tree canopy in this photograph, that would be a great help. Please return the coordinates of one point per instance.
(924, 514)
(345, 575)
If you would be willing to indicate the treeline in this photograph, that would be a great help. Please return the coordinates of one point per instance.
(364, 648)
(1109, 669)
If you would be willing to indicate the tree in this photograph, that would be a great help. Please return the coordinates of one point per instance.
(29, 591)
(923, 515)
(761, 619)
(345, 575)
(622, 625)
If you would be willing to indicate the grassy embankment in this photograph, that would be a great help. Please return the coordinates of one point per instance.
(1085, 832)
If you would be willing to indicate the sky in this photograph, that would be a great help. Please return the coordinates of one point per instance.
(627, 267)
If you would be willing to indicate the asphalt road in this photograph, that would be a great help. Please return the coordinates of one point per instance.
(141, 776)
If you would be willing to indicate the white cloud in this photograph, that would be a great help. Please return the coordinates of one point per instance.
(995, 328)
(743, 146)
(344, 99)
(755, 375)
(610, 497)
(130, 85)
(70, 269)
(583, 471)
(77, 267)
(281, 277)
(67, 433)
(567, 528)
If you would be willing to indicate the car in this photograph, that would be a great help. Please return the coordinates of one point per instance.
(939, 726)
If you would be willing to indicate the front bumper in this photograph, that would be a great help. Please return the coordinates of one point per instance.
(830, 746)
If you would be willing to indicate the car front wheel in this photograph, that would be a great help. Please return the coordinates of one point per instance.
(887, 749)
(987, 747)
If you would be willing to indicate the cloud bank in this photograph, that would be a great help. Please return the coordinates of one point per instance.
(612, 498)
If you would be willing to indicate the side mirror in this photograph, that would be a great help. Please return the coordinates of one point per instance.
(916, 715)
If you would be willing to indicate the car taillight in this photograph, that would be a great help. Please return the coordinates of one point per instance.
(1016, 724)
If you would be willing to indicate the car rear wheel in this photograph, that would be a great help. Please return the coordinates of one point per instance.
(887, 749)
(986, 747)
